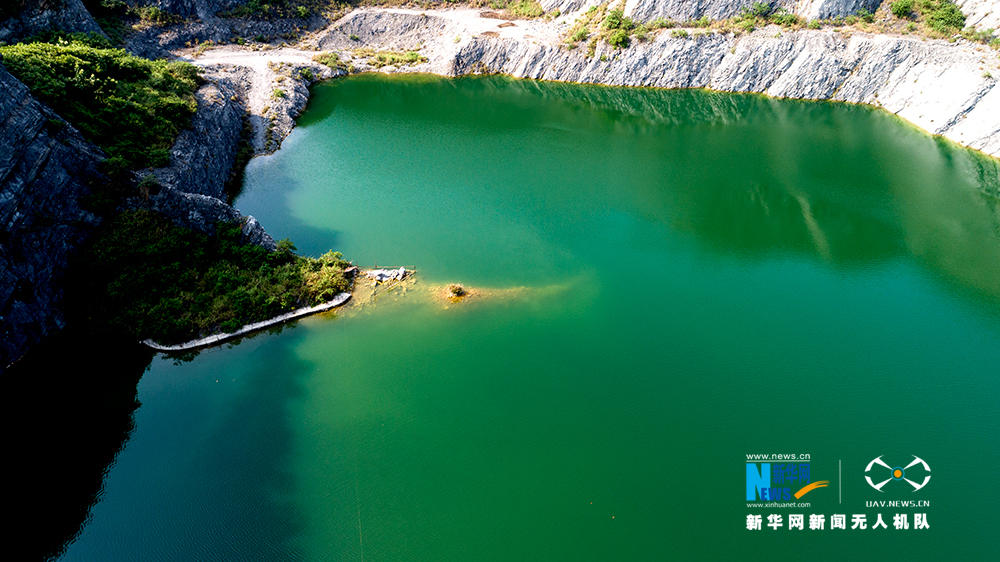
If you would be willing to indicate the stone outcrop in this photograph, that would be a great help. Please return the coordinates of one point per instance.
(203, 155)
(938, 86)
(158, 42)
(42, 15)
(201, 213)
(823, 9)
(685, 10)
(46, 169)
(983, 14)
(200, 9)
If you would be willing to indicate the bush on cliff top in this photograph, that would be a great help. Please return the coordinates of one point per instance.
(942, 16)
(143, 277)
(131, 107)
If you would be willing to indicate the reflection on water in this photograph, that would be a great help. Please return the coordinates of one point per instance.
(668, 280)
(67, 411)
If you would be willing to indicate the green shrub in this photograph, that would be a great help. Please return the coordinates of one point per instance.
(143, 277)
(385, 58)
(814, 24)
(757, 10)
(679, 33)
(152, 15)
(131, 107)
(616, 20)
(866, 16)
(526, 8)
(580, 35)
(330, 59)
(660, 23)
(618, 38)
(784, 18)
(302, 11)
(902, 9)
(305, 74)
(942, 16)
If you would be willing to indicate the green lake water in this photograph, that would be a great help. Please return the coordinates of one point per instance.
(671, 280)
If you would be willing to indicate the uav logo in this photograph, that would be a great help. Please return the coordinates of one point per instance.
(898, 473)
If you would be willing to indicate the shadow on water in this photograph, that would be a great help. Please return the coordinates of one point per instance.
(67, 411)
(238, 487)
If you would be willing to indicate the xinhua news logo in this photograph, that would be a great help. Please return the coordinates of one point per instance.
(767, 481)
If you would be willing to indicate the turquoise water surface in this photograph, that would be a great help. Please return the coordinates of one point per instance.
(670, 281)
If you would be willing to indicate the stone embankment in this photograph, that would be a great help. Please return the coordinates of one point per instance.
(219, 338)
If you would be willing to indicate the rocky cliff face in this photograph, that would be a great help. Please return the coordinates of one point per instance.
(200, 9)
(938, 86)
(684, 10)
(984, 14)
(203, 155)
(46, 168)
(38, 16)
(945, 88)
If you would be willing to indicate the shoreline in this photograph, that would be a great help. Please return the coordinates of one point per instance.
(219, 338)
(945, 89)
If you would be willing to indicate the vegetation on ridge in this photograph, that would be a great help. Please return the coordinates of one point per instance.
(931, 18)
(131, 107)
(143, 277)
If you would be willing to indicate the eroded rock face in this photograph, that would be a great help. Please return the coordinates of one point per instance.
(46, 168)
(38, 16)
(936, 85)
(389, 30)
(201, 213)
(684, 10)
(984, 14)
(823, 9)
(201, 9)
(202, 158)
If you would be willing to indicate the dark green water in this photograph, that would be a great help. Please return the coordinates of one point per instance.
(698, 277)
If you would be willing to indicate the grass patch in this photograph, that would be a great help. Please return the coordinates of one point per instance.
(524, 9)
(143, 277)
(330, 59)
(131, 107)
(378, 59)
